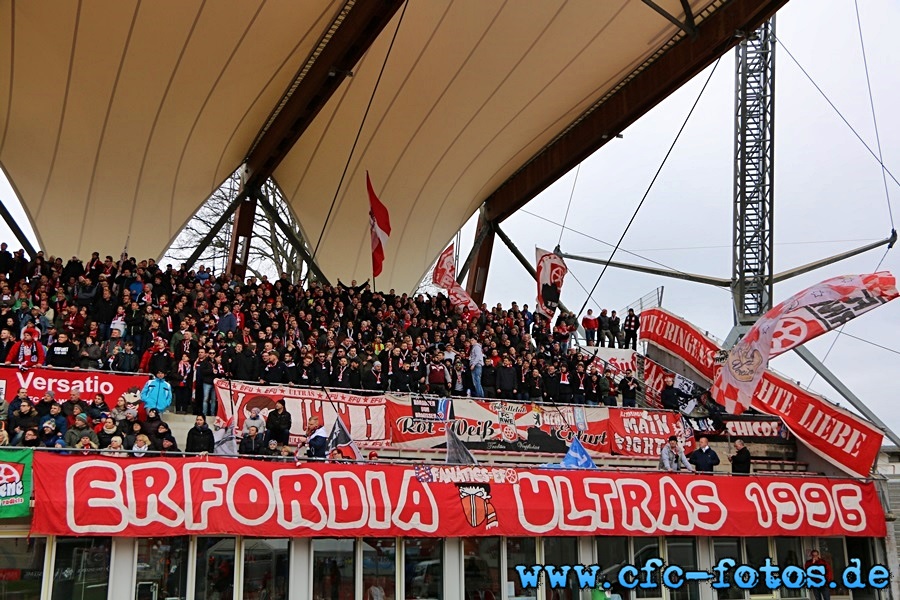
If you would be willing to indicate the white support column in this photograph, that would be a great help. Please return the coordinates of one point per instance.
(49, 568)
(300, 570)
(122, 564)
(190, 583)
(504, 569)
(238, 567)
(705, 562)
(453, 569)
(358, 567)
(400, 568)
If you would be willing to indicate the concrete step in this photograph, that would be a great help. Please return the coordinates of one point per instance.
(179, 424)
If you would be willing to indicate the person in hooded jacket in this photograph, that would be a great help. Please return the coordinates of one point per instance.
(278, 424)
(133, 430)
(162, 432)
(20, 421)
(151, 425)
(200, 437)
(254, 420)
(168, 445)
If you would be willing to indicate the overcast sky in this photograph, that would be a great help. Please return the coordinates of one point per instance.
(829, 194)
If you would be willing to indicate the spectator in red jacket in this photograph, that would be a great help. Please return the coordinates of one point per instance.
(822, 593)
(28, 351)
(590, 324)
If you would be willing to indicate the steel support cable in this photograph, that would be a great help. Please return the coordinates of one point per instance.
(838, 112)
(862, 45)
(879, 157)
(562, 228)
(359, 132)
(652, 181)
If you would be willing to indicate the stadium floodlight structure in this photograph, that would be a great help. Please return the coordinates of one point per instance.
(754, 174)
(753, 221)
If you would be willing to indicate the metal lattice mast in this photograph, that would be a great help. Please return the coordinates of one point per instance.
(754, 185)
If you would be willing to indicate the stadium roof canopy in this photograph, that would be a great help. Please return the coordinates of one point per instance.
(118, 118)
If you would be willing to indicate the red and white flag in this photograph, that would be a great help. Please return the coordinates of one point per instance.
(551, 270)
(800, 318)
(380, 224)
(444, 276)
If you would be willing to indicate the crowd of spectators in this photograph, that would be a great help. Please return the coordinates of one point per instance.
(194, 327)
(185, 328)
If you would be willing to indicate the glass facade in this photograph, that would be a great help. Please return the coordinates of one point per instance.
(22, 566)
(162, 566)
(561, 551)
(265, 569)
(215, 568)
(81, 569)
(519, 551)
(789, 553)
(756, 551)
(333, 574)
(728, 547)
(682, 551)
(646, 548)
(832, 552)
(379, 577)
(612, 555)
(424, 572)
(481, 567)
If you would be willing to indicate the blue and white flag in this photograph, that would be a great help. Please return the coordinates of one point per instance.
(576, 458)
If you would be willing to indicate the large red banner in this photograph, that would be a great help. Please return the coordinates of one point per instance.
(62, 382)
(364, 416)
(500, 426)
(75, 495)
(835, 434)
(419, 422)
(639, 432)
(802, 317)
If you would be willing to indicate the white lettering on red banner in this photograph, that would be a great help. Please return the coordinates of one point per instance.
(75, 495)
(39, 381)
(837, 435)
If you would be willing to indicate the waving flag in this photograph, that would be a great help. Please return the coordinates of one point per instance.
(339, 440)
(444, 276)
(576, 458)
(800, 318)
(457, 453)
(380, 224)
(551, 270)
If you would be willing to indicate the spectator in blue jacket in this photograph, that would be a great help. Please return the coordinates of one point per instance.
(704, 457)
(157, 393)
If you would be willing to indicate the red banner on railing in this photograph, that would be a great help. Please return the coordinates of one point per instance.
(418, 422)
(638, 432)
(62, 382)
(364, 416)
(837, 435)
(498, 425)
(77, 495)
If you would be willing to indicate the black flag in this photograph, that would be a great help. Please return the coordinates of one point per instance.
(339, 440)
(457, 453)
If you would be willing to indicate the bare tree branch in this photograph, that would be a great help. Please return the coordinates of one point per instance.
(271, 252)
